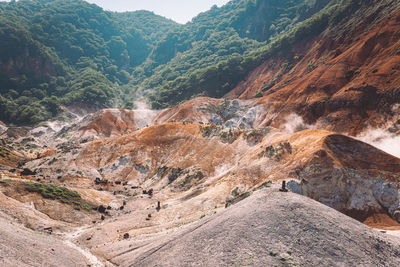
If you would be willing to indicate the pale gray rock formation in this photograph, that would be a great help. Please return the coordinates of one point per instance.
(20, 246)
(269, 228)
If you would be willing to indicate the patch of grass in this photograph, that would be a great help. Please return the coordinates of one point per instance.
(52, 191)
(326, 99)
(86, 206)
(60, 193)
(4, 152)
(237, 199)
(268, 86)
(326, 57)
(311, 67)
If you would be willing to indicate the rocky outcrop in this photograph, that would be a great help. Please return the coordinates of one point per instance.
(110, 122)
(353, 178)
(230, 113)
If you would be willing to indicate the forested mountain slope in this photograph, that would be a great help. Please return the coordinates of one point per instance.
(50, 47)
(346, 79)
(56, 52)
(289, 89)
(213, 53)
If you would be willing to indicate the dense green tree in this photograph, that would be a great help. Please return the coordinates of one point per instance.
(63, 52)
(48, 46)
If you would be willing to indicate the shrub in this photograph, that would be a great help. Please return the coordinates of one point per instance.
(258, 94)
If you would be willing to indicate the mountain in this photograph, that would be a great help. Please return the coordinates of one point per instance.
(68, 52)
(345, 79)
(277, 144)
(51, 46)
(59, 53)
(218, 48)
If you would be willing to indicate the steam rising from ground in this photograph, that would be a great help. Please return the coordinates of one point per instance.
(144, 116)
(380, 138)
(3, 127)
(295, 123)
(223, 169)
(384, 140)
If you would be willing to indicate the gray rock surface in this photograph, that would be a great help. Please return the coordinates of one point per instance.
(268, 229)
(20, 246)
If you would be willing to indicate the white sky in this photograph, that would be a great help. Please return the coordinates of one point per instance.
(180, 11)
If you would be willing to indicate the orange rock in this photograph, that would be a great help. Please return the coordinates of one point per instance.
(110, 122)
(47, 153)
(382, 221)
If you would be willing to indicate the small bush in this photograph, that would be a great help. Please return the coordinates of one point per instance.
(86, 206)
(258, 94)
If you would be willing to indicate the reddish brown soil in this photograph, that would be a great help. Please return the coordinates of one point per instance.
(345, 79)
(10, 158)
(382, 221)
(47, 153)
(111, 122)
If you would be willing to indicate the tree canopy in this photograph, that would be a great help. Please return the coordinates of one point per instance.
(63, 52)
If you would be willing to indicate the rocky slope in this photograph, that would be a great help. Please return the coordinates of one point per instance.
(143, 182)
(269, 228)
(178, 158)
(345, 80)
(23, 247)
(174, 187)
(175, 159)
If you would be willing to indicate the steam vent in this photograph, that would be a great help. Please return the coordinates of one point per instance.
(199, 133)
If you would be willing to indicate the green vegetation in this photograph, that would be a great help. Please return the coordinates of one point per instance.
(60, 193)
(258, 94)
(4, 152)
(64, 52)
(52, 191)
(221, 74)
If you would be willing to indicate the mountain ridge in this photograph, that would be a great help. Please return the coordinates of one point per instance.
(269, 149)
(123, 57)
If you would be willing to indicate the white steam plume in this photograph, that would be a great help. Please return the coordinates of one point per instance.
(144, 116)
(295, 123)
(384, 140)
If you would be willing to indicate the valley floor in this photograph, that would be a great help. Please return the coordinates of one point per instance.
(194, 190)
